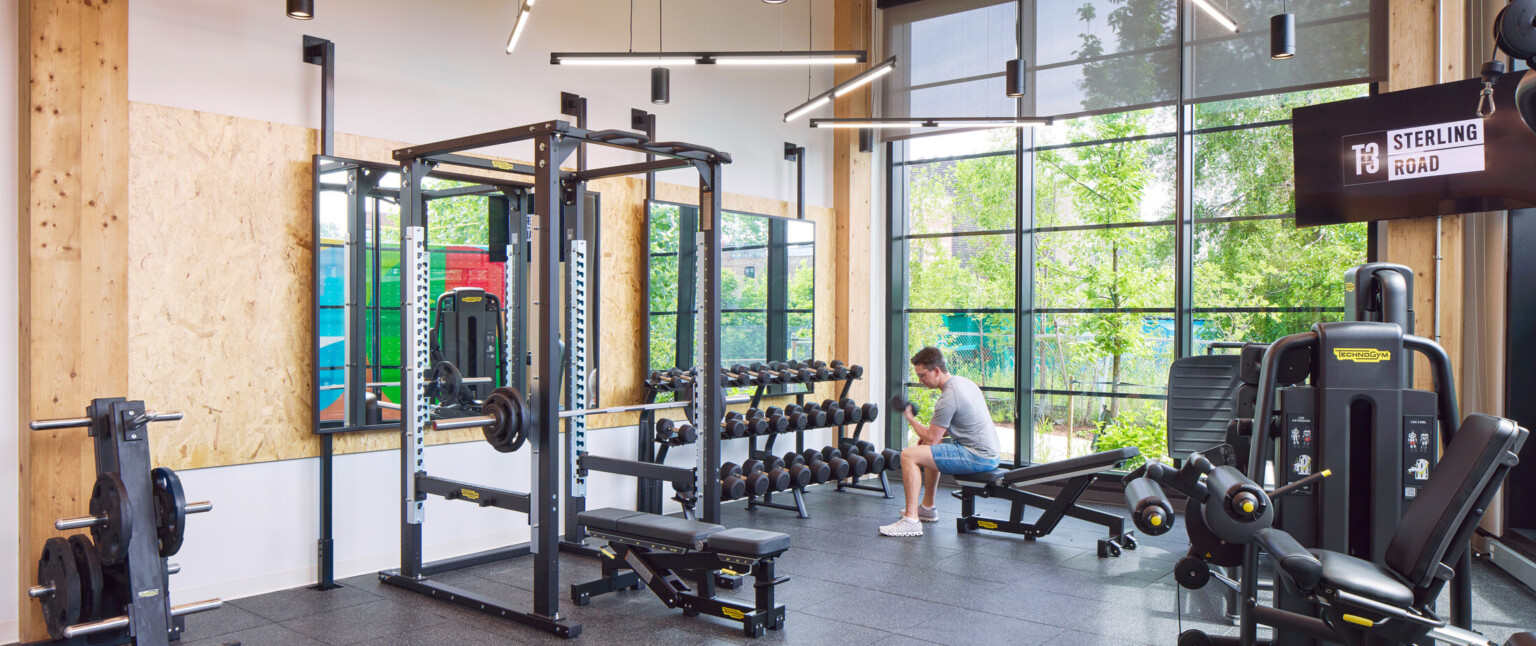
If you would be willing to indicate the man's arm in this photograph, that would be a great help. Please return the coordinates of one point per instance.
(926, 434)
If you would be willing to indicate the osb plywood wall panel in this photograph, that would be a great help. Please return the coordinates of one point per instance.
(220, 255)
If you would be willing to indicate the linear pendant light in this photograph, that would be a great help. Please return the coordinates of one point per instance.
(1217, 14)
(825, 57)
(932, 122)
(859, 80)
(518, 24)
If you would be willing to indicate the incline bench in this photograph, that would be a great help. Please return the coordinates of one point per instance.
(662, 551)
(1079, 473)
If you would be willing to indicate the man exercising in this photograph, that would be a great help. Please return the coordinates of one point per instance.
(961, 412)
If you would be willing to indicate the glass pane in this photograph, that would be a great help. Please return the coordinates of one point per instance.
(1105, 268)
(744, 262)
(1244, 172)
(979, 347)
(963, 195)
(1068, 31)
(963, 143)
(331, 295)
(744, 338)
(1084, 365)
(1131, 181)
(1269, 107)
(663, 341)
(967, 272)
(1335, 41)
(1144, 78)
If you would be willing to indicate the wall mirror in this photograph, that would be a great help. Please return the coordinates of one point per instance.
(767, 289)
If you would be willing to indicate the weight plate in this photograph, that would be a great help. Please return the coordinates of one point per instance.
(56, 569)
(109, 500)
(1513, 27)
(510, 409)
(447, 381)
(92, 583)
(170, 511)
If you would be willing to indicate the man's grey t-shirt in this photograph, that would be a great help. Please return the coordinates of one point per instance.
(963, 410)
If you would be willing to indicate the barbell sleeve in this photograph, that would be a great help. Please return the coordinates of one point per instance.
(66, 524)
(39, 591)
(157, 416)
(115, 623)
(55, 424)
(173, 568)
(198, 507)
(457, 423)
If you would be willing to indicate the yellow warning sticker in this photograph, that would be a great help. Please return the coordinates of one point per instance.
(469, 494)
(1361, 355)
(471, 299)
(501, 164)
(985, 524)
(149, 593)
(1349, 287)
(734, 613)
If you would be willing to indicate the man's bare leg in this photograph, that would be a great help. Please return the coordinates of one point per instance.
(930, 483)
(916, 461)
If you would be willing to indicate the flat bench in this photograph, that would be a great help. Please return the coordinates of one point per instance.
(1079, 473)
(665, 552)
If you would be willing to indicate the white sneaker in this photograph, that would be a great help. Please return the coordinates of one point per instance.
(903, 527)
(928, 514)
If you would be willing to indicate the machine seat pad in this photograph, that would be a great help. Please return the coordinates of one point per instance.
(983, 477)
(744, 541)
(605, 519)
(666, 528)
(1361, 577)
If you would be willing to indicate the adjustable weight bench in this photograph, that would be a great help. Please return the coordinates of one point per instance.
(664, 552)
(1079, 472)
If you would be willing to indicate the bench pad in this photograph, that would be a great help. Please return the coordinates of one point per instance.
(666, 528)
(1053, 470)
(605, 519)
(742, 541)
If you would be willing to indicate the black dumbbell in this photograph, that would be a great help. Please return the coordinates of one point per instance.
(733, 488)
(870, 412)
(892, 459)
(733, 428)
(756, 481)
(855, 372)
(814, 417)
(669, 432)
(857, 465)
(839, 371)
(835, 414)
(852, 412)
(900, 404)
(755, 425)
(804, 474)
(792, 422)
(837, 467)
(877, 462)
(771, 423)
(779, 479)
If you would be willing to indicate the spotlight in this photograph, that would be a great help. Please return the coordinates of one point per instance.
(661, 91)
(301, 9)
(1015, 78)
(1282, 36)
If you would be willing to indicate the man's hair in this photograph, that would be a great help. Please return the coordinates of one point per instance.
(930, 357)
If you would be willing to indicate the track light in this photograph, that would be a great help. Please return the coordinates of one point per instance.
(301, 9)
(932, 122)
(661, 86)
(518, 24)
(1282, 36)
(836, 57)
(1216, 14)
(774, 1)
(859, 80)
(1015, 78)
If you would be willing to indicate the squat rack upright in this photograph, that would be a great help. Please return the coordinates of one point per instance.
(554, 141)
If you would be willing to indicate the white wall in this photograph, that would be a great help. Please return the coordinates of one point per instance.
(424, 71)
(10, 481)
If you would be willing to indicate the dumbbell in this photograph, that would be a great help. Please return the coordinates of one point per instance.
(733, 428)
(732, 485)
(792, 421)
(835, 414)
(855, 372)
(852, 412)
(857, 465)
(839, 371)
(804, 473)
(837, 467)
(670, 432)
(755, 374)
(731, 379)
(773, 472)
(900, 404)
(756, 481)
(754, 426)
(870, 412)
(779, 374)
(864, 449)
(814, 417)
(775, 423)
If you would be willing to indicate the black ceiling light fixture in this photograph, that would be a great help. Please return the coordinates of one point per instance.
(661, 77)
(301, 9)
(1015, 69)
(1282, 34)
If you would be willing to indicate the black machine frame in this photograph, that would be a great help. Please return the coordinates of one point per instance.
(554, 142)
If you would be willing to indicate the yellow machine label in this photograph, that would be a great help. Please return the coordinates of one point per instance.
(1349, 287)
(149, 593)
(468, 494)
(1361, 355)
(986, 524)
(1358, 620)
(471, 299)
(501, 164)
(734, 613)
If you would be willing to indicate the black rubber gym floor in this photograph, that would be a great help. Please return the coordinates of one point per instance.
(848, 586)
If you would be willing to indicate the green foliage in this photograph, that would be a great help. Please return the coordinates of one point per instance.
(1149, 434)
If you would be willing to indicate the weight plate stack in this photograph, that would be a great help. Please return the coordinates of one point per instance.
(510, 409)
(170, 510)
(56, 569)
(109, 501)
(92, 578)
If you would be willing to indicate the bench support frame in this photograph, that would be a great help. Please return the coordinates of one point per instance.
(1053, 510)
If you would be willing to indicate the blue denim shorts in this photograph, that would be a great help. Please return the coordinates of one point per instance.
(952, 458)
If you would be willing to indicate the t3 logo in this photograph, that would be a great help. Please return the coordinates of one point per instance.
(1364, 159)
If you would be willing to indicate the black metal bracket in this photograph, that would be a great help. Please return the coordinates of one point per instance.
(322, 52)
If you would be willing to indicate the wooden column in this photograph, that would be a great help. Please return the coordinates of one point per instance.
(73, 263)
(1412, 63)
(851, 176)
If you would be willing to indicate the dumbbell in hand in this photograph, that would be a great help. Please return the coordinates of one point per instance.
(899, 405)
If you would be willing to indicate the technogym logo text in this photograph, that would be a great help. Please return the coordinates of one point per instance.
(1361, 355)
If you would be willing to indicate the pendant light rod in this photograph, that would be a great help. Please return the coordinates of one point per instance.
(819, 57)
(857, 81)
(932, 122)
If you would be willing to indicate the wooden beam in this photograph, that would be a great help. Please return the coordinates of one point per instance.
(851, 177)
(1413, 49)
(74, 260)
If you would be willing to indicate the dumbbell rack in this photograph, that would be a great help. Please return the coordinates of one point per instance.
(129, 501)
